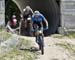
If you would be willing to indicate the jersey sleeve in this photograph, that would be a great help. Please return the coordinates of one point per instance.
(42, 16)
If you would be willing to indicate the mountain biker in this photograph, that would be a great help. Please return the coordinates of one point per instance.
(38, 18)
(12, 24)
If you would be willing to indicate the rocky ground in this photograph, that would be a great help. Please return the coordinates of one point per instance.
(16, 48)
(57, 47)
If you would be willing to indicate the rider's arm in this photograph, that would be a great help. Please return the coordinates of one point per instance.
(8, 26)
(32, 11)
(46, 22)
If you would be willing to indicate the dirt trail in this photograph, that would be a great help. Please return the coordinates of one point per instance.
(54, 52)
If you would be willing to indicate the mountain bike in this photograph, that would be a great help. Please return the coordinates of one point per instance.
(39, 38)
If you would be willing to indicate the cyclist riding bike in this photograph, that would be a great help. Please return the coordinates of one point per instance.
(38, 18)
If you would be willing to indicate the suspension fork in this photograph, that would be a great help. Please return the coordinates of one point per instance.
(40, 39)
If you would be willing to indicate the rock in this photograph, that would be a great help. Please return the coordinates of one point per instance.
(9, 44)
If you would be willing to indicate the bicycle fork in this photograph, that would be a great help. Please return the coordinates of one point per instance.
(40, 41)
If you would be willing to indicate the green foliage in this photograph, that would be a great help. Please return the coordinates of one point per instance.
(68, 46)
(4, 35)
(71, 34)
(57, 36)
(25, 41)
(16, 54)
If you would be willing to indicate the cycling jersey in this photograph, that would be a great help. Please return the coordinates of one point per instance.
(39, 20)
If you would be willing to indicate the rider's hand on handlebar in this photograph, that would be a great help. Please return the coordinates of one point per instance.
(46, 28)
(41, 28)
(32, 29)
(12, 31)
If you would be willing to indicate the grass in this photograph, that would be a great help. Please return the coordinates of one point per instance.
(57, 36)
(4, 35)
(16, 54)
(71, 34)
(68, 46)
(25, 42)
(1, 29)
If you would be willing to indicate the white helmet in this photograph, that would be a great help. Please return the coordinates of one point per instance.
(36, 12)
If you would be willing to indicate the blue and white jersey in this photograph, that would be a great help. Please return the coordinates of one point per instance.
(39, 19)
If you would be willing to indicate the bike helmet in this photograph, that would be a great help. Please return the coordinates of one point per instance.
(36, 12)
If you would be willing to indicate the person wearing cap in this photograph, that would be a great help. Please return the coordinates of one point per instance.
(12, 24)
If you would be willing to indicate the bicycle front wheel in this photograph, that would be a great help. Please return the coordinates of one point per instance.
(42, 45)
